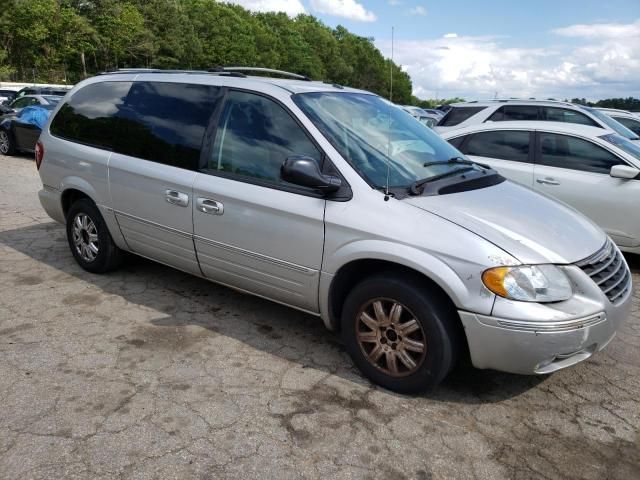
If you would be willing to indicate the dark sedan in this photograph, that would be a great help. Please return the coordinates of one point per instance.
(20, 131)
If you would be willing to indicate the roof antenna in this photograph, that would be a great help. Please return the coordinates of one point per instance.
(386, 188)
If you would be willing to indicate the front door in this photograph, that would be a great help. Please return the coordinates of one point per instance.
(576, 171)
(158, 143)
(252, 230)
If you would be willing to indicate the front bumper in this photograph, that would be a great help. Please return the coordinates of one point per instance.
(539, 347)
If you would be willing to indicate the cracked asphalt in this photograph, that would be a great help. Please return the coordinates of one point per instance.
(151, 373)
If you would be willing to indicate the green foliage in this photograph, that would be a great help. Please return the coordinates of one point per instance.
(54, 40)
(629, 103)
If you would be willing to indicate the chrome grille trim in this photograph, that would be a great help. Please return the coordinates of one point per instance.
(608, 270)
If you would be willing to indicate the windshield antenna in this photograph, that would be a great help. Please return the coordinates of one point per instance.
(386, 188)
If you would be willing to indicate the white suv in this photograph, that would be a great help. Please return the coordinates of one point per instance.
(471, 113)
(628, 119)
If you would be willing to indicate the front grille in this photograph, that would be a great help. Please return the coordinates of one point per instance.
(610, 272)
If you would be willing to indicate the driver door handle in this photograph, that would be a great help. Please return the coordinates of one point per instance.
(207, 205)
(548, 181)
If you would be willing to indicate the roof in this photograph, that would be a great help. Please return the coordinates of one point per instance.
(517, 101)
(559, 127)
(295, 84)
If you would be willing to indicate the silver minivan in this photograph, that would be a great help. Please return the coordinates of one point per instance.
(335, 202)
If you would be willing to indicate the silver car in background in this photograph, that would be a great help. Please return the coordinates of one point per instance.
(332, 201)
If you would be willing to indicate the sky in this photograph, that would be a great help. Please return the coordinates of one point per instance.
(496, 48)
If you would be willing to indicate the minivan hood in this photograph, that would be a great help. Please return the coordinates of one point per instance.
(531, 227)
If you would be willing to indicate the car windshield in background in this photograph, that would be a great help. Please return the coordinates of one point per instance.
(52, 99)
(613, 124)
(375, 137)
(622, 143)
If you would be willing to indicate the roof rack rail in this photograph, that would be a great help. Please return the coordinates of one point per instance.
(227, 71)
(159, 70)
(283, 73)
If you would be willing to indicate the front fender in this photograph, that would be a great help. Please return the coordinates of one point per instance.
(459, 277)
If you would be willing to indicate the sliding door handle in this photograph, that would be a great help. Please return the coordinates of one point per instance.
(176, 198)
(212, 207)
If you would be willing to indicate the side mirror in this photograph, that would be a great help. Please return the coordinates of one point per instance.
(624, 171)
(304, 171)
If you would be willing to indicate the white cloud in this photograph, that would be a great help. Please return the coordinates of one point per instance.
(602, 61)
(601, 30)
(419, 10)
(290, 7)
(344, 8)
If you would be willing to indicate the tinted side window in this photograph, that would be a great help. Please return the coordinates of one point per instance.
(89, 116)
(457, 142)
(631, 124)
(574, 153)
(255, 135)
(165, 122)
(555, 114)
(457, 115)
(503, 144)
(514, 112)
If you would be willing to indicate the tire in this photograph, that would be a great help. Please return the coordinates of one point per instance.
(7, 145)
(426, 317)
(89, 239)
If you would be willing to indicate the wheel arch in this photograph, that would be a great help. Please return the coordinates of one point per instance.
(73, 189)
(376, 257)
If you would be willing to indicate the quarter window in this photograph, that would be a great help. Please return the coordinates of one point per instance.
(255, 135)
(575, 153)
(502, 144)
(165, 122)
(89, 116)
(554, 114)
(457, 142)
(514, 112)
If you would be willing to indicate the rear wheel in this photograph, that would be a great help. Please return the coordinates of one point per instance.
(89, 239)
(401, 335)
(7, 146)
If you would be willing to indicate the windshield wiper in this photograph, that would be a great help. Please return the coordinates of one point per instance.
(415, 187)
(458, 160)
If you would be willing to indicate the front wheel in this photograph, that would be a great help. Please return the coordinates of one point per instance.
(7, 146)
(89, 239)
(400, 334)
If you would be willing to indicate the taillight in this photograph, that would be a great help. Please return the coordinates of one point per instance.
(39, 154)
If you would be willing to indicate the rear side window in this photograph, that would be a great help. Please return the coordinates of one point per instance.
(255, 135)
(554, 114)
(165, 122)
(630, 123)
(575, 153)
(504, 144)
(514, 112)
(457, 115)
(89, 116)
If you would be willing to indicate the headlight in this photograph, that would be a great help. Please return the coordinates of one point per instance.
(528, 283)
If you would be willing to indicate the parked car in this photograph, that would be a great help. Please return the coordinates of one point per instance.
(593, 170)
(43, 90)
(424, 117)
(29, 100)
(470, 113)
(628, 119)
(7, 94)
(289, 189)
(19, 132)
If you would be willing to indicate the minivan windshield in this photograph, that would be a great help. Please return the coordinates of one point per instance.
(377, 137)
(612, 124)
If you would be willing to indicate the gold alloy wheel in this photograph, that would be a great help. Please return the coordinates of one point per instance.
(391, 337)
